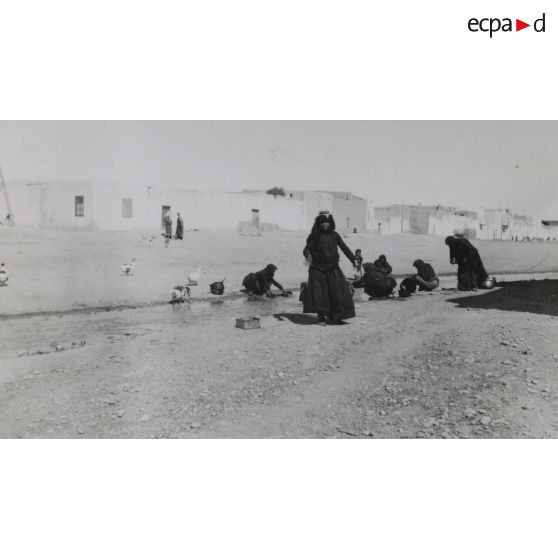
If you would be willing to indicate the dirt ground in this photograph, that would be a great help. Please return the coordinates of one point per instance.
(86, 352)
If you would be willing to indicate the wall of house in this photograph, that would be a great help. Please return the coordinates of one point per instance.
(349, 212)
(549, 231)
(314, 202)
(52, 204)
(419, 219)
(446, 225)
(370, 222)
(207, 210)
(393, 225)
(24, 203)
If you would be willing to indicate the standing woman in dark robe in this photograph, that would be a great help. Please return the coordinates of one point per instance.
(470, 269)
(179, 227)
(327, 293)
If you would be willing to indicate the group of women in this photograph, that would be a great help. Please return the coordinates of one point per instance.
(328, 293)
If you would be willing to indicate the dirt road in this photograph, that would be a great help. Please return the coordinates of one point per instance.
(443, 365)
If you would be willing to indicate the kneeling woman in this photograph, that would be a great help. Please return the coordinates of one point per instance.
(426, 277)
(327, 293)
(259, 283)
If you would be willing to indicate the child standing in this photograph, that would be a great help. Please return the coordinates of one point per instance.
(358, 263)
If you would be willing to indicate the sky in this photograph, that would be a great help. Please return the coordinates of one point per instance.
(512, 164)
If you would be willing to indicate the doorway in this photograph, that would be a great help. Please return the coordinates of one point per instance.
(256, 219)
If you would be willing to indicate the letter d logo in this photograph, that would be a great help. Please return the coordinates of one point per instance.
(539, 24)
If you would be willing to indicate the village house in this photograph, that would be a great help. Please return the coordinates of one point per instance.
(480, 223)
(108, 206)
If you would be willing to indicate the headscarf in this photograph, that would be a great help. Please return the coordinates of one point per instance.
(450, 240)
(270, 270)
(323, 218)
(426, 271)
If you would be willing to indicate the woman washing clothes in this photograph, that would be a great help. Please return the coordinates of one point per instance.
(260, 282)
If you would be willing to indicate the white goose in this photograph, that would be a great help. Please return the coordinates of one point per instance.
(128, 268)
(194, 277)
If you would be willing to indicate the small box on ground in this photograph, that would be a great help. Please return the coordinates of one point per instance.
(248, 323)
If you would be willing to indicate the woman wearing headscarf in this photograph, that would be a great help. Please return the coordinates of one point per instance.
(259, 283)
(179, 227)
(382, 265)
(426, 277)
(167, 220)
(327, 292)
(376, 283)
(470, 269)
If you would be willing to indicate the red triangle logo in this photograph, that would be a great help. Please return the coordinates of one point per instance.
(519, 25)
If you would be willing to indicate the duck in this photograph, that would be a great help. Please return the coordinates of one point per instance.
(3, 275)
(180, 293)
(194, 277)
(128, 268)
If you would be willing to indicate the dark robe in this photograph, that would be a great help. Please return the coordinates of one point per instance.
(376, 282)
(179, 228)
(327, 292)
(407, 286)
(470, 269)
(260, 282)
(426, 277)
(382, 265)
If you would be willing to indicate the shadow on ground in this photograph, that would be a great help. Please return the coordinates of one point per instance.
(537, 297)
(298, 319)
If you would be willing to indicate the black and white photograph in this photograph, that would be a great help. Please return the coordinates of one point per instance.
(279, 279)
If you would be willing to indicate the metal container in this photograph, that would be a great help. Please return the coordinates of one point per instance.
(248, 323)
(489, 283)
(217, 288)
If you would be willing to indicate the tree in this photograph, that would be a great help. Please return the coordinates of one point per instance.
(275, 191)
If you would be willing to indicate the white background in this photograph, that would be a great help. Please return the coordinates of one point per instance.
(261, 59)
(275, 60)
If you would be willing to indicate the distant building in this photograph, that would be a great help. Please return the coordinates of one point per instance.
(549, 228)
(108, 206)
(482, 224)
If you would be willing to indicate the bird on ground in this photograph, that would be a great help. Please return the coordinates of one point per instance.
(194, 277)
(128, 268)
(3, 275)
(180, 293)
(147, 238)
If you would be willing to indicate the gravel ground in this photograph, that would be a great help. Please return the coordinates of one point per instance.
(450, 365)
